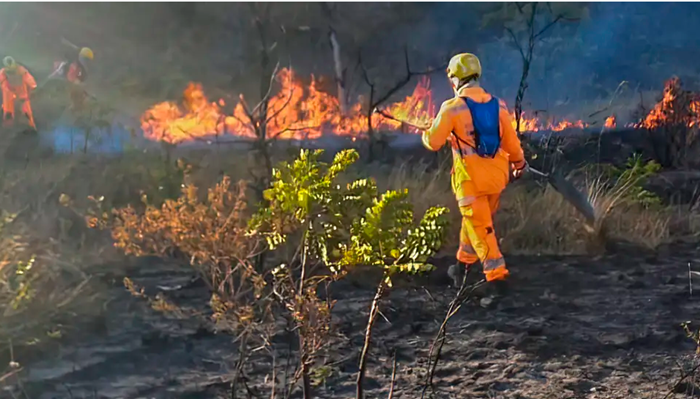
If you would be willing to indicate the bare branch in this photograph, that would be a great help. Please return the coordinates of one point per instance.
(266, 97)
(393, 377)
(517, 42)
(680, 381)
(403, 82)
(549, 25)
(405, 57)
(520, 7)
(292, 129)
(242, 122)
(365, 75)
(246, 109)
(282, 108)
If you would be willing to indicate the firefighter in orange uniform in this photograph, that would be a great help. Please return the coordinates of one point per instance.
(486, 151)
(16, 84)
(74, 70)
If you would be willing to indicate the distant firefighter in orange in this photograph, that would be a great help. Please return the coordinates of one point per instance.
(73, 68)
(16, 84)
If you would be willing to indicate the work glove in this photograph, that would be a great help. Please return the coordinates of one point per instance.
(517, 171)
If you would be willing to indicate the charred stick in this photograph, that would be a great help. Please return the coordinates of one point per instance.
(393, 118)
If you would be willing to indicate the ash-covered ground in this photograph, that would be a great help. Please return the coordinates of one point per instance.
(572, 327)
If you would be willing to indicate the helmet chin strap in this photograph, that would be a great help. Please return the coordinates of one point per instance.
(455, 84)
(456, 87)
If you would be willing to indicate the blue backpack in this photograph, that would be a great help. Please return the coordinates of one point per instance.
(487, 132)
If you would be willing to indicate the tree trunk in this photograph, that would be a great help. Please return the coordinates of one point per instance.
(305, 379)
(339, 72)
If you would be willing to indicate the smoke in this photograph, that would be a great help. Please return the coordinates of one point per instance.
(581, 64)
(577, 65)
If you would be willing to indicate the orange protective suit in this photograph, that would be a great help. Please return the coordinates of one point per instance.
(476, 181)
(16, 85)
(75, 73)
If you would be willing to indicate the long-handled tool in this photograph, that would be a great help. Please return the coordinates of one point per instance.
(564, 187)
(572, 195)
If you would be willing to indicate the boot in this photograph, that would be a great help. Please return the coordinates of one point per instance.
(456, 273)
(494, 292)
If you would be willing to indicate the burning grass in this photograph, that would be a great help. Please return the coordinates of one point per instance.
(294, 112)
(297, 111)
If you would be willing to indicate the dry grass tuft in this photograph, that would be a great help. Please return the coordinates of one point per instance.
(534, 221)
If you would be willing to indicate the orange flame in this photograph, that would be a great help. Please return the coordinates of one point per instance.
(296, 112)
(610, 122)
(677, 106)
(529, 124)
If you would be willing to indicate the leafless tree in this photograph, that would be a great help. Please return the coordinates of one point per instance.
(535, 21)
(376, 100)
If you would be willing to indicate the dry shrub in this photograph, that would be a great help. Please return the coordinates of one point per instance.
(535, 221)
(211, 233)
(673, 125)
(646, 227)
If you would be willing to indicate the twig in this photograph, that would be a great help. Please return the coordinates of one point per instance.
(266, 97)
(439, 341)
(690, 280)
(10, 374)
(70, 393)
(516, 41)
(389, 116)
(393, 377)
(546, 28)
(680, 381)
(374, 310)
(401, 83)
(274, 376)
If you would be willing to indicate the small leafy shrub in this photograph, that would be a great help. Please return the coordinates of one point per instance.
(331, 229)
(17, 277)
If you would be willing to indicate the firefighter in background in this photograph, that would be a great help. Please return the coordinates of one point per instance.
(74, 69)
(486, 152)
(16, 83)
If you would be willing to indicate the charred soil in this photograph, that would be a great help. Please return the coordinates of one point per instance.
(571, 327)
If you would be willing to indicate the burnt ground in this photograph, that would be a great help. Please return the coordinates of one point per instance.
(572, 327)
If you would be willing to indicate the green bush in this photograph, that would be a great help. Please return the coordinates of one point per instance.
(331, 229)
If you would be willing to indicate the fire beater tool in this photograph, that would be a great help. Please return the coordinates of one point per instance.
(564, 187)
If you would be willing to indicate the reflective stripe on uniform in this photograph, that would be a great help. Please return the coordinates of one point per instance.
(467, 248)
(493, 264)
(466, 201)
